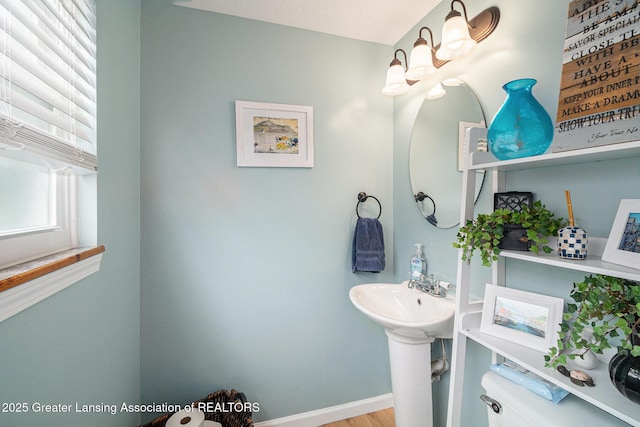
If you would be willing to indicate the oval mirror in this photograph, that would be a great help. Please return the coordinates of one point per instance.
(436, 141)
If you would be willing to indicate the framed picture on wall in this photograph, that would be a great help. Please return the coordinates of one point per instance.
(623, 244)
(274, 135)
(597, 108)
(526, 318)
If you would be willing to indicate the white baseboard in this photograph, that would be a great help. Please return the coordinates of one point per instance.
(333, 413)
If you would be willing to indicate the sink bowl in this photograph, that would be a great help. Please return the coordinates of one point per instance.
(404, 311)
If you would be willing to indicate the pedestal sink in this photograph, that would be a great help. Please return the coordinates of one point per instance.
(412, 321)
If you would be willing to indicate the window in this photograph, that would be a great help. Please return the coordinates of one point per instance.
(47, 125)
(37, 215)
(27, 192)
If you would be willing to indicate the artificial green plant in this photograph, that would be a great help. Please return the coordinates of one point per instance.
(485, 232)
(610, 306)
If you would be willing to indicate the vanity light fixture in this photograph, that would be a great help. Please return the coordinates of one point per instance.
(459, 36)
(421, 59)
(456, 40)
(396, 83)
(436, 92)
(452, 82)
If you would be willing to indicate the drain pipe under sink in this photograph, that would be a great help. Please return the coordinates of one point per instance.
(440, 365)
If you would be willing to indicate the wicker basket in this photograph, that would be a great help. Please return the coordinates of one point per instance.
(229, 417)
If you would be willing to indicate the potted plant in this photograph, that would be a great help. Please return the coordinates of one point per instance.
(486, 231)
(610, 307)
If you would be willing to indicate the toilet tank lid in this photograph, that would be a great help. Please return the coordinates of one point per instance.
(569, 412)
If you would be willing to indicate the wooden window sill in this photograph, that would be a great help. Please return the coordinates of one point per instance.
(25, 284)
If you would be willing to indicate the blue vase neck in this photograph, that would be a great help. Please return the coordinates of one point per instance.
(520, 85)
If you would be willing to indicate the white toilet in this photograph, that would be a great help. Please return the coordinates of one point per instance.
(511, 405)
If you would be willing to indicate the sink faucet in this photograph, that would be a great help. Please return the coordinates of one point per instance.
(428, 285)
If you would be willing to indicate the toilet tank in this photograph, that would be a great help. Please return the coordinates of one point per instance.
(523, 408)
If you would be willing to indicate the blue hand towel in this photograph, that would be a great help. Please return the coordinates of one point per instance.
(368, 246)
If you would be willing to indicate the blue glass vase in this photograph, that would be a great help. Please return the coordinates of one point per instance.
(522, 127)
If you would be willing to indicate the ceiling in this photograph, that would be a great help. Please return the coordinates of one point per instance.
(378, 21)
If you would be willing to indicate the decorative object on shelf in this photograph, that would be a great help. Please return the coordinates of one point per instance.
(522, 127)
(576, 376)
(485, 232)
(274, 135)
(610, 305)
(597, 108)
(623, 244)
(530, 380)
(515, 235)
(512, 200)
(586, 359)
(624, 369)
(572, 240)
(526, 318)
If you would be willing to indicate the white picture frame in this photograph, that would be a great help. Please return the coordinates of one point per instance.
(529, 319)
(463, 141)
(623, 244)
(274, 135)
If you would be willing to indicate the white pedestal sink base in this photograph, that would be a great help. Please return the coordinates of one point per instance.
(410, 361)
(412, 321)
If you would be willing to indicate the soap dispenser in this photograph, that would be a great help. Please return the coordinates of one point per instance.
(418, 267)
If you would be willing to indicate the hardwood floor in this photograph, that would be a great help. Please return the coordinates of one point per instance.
(382, 418)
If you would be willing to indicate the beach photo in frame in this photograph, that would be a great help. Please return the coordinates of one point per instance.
(274, 135)
(623, 244)
(525, 318)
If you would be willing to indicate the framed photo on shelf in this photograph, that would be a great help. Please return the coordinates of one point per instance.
(274, 135)
(529, 319)
(623, 244)
(464, 140)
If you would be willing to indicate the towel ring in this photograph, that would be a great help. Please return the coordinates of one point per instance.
(431, 219)
(362, 197)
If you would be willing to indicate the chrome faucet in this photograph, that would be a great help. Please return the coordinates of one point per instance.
(429, 285)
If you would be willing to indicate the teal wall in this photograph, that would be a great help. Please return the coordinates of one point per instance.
(246, 271)
(82, 344)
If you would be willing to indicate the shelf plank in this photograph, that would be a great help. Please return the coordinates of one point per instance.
(593, 264)
(486, 160)
(604, 395)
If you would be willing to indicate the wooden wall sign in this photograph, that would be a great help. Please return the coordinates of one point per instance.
(599, 101)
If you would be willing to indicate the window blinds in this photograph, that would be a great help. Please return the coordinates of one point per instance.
(48, 79)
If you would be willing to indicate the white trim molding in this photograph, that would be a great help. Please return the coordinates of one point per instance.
(333, 413)
(16, 299)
